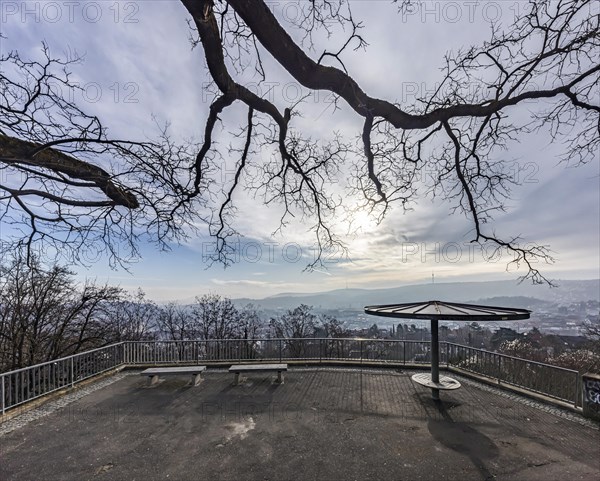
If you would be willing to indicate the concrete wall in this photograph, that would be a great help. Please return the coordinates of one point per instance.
(591, 395)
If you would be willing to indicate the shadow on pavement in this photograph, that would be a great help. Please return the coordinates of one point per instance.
(463, 438)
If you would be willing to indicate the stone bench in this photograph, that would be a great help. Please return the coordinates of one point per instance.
(243, 368)
(153, 373)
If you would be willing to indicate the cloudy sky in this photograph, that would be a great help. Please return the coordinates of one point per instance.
(139, 64)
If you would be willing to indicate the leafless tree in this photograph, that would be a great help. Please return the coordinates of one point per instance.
(296, 323)
(45, 315)
(332, 329)
(547, 55)
(547, 60)
(71, 185)
(133, 318)
(591, 330)
(175, 322)
(217, 320)
(582, 360)
(329, 326)
(250, 326)
(250, 323)
(215, 317)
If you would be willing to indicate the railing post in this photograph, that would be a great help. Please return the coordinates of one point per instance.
(72, 373)
(577, 376)
(404, 352)
(499, 367)
(320, 351)
(361, 351)
(280, 350)
(434, 348)
(2, 394)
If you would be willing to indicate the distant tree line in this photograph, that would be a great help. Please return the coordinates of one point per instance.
(46, 314)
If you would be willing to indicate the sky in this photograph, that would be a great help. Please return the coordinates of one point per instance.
(139, 66)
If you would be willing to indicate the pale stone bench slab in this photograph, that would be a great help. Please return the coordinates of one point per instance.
(242, 368)
(153, 373)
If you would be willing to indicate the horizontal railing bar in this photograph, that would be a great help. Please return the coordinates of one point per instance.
(60, 359)
(58, 388)
(507, 356)
(295, 339)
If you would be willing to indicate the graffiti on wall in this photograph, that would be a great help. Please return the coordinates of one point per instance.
(592, 391)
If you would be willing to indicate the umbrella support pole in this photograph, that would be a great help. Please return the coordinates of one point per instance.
(435, 311)
(435, 358)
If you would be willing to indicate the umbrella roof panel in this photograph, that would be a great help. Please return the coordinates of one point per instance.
(448, 311)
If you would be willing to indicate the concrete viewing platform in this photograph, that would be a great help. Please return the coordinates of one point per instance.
(323, 424)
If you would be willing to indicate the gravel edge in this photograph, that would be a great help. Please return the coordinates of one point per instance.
(52, 406)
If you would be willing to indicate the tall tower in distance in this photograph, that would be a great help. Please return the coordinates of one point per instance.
(432, 278)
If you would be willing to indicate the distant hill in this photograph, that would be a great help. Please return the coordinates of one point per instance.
(508, 293)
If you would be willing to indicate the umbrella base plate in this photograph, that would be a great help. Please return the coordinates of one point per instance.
(446, 383)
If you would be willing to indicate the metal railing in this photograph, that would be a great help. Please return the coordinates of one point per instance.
(24, 385)
(553, 381)
(305, 349)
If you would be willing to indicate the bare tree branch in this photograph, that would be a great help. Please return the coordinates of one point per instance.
(75, 185)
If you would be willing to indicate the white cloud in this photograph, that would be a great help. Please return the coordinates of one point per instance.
(152, 60)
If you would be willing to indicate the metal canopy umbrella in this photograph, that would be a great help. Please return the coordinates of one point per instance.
(447, 311)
